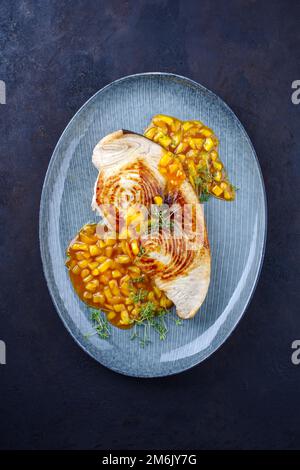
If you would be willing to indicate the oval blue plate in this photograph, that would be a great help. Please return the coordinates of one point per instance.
(237, 230)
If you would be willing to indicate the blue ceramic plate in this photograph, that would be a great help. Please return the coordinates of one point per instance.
(237, 230)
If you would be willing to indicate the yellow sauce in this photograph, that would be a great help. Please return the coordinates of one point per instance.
(105, 276)
(195, 147)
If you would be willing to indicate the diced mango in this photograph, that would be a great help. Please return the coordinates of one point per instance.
(218, 176)
(108, 251)
(217, 190)
(83, 263)
(135, 247)
(125, 317)
(158, 200)
(105, 265)
(187, 125)
(92, 286)
(218, 165)
(116, 273)
(111, 315)
(87, 239)
(206, 132)
(78, 246)
(93, 265)
(85, 272)
(151, 296)
(165, 141)
(150, 133)
(165, 160)
(98, 298)
(80, 255)
(134, 269)
(94, 250)
(228, 195)
(181, 147)
(107, 293)
(87, 295)
(76, 270)
(114, 287)
(119, 307)
(162, 117)
(123, 259)
(208, 144)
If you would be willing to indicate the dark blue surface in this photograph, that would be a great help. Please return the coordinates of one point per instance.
(55, 55)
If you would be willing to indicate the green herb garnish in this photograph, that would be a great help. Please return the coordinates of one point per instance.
(138, 279)
(139, 295)
(150, 317)
(101, 325)
(204, 196)
(141, 252)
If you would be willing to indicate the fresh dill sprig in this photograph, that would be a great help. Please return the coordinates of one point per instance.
(177, 321)
(134, 333)
(101, 325)
(141, 252)
(149, 318)
(198, 181)
(147, 312)
(139, 295)
(138, 279)
(204, 196)
(160, 327)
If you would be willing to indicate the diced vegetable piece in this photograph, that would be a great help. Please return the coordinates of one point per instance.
(208, 144)
(87, 239)
(135, 247)
(76, 269)
(116, 273)
(85, 272)
(150, 133)
(92, 286)
(123, 259)
(83, 263)
(217, 190)
(218, 176)
(98, 298)
(119, 307)
(93, 265)
(162, 117)
(105, 265)
(165, 160)
(158, 200)
(218, 165)
(77, 246)
(111, 315)
(165, 141)
(87, 295)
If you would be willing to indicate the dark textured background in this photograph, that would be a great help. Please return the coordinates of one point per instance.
(54, 56)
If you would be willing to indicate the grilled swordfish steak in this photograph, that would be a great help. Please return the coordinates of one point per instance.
(128, 167)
